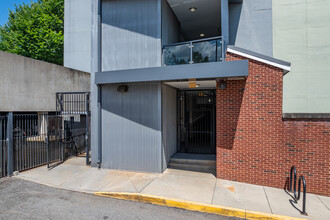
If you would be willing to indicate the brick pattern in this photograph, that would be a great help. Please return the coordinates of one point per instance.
(254, 145)
(307, 146)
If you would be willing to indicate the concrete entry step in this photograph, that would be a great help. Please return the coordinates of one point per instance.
(194, 162)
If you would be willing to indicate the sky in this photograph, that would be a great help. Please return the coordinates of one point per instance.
(5, 5)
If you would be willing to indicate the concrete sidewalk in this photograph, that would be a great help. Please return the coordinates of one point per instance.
(178, 184)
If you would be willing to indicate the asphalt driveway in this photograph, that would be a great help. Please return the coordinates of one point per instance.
(20, 199)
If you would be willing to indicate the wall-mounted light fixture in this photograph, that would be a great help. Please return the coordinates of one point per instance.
(192, 9)
(222, 84)
(202, 35)
(122, 88)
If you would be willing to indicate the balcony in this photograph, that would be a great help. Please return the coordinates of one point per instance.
(197, 51)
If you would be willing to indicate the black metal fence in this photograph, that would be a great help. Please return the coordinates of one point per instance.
(66, 137)
(73, 105)
(3, 146)
(32, 140)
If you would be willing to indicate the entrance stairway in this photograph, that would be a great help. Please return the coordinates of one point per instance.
(194, 162)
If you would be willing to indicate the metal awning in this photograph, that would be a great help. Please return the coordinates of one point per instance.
(214, 70)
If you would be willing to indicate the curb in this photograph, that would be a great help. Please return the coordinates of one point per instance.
(194, 206)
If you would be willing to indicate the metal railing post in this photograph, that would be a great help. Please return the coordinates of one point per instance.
(87, 130)
(191, 52)
(303, 181)
(10, 149)
(47, 142)
(2, 145)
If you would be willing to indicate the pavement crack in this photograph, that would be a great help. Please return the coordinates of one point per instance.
(215, 185)
(132, 183)
(323, 202)
(268, 201)
(148, 184)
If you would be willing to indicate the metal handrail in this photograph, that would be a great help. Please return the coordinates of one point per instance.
(190, 43)
(300, 181)
(193, 41)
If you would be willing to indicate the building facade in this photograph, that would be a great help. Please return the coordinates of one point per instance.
(196, 77)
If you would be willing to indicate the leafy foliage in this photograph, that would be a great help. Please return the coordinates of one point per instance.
(35, 30)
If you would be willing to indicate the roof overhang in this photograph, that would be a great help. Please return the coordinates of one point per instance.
(200, 71)
(285, 66)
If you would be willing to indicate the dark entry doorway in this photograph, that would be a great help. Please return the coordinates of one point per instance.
(196, 121)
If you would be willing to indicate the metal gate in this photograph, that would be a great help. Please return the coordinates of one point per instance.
(69, 129)
(196, 118)
(31, 140)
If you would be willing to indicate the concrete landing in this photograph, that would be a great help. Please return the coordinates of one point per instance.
(178, 184)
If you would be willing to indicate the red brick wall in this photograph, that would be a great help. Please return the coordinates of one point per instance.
(307, 146)
(254, 145)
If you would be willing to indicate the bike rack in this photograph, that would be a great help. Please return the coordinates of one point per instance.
(300, 181)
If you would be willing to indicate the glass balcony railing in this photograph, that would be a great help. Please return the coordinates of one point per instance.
(198, 51)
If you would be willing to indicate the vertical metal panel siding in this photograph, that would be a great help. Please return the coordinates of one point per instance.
(131, 127)
(170, 25)
(77, 34)
(169, 124)
(131, 34)
(251, 26)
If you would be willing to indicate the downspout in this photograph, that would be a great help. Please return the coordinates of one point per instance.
(99, 119)
(99, 88)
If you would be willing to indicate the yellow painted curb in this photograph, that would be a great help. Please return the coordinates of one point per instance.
(194, 206)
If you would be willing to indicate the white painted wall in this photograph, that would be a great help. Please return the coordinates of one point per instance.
(301, 30)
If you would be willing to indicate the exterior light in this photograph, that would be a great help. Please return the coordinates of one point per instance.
(122, 88)
(198, 85)
(222, 84)
(202, 35)
(192, 9)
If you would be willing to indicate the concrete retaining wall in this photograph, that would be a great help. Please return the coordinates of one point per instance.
(28, 85)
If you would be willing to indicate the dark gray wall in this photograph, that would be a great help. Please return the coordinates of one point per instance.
(131, 34)
(169, 124)
(251, 26)
(131, 127)
(170, 25)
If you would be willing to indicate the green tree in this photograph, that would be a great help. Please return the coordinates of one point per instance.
(35, 30)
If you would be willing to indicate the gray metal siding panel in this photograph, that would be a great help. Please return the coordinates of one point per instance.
(251, 26)
(170, 25)
(131, 127)
(169, 124)
(77, 34)
(131, 34)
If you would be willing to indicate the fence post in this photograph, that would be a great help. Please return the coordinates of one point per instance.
(10, 151)
(87, 130)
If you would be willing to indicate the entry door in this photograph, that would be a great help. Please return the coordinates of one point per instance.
(197, 121)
